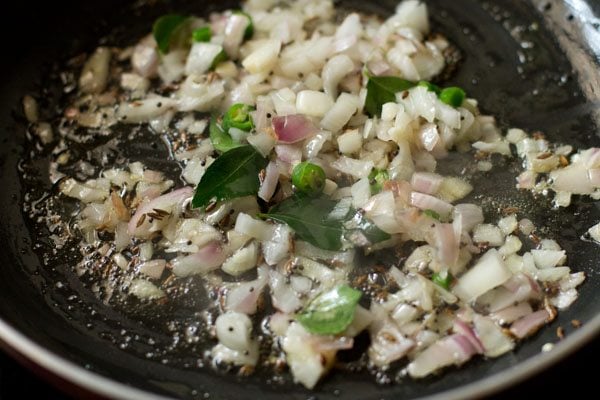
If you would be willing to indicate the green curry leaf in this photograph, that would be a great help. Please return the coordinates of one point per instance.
(221, 140)
(383, 89)
(234, 174)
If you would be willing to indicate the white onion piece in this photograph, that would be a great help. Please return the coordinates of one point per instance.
(279, 323)
(243, 297)
(306, 249)
(291, 154)
(242, 260)
(381, 210)
(166, 202)
(94, 75)
(293, 128)
(454, 349)
(564, 298)
(528, 325)
(307, 365)
(331, 343)
(233, 330)
(488, 233)
(269, 183)
(573, 178)
(153, 268)
(427, 202)
(470, 215)
(512, 313)
(426, 182)
(234, 34)
(201, 57)
(263, 58)
(495, 342)
(172, 65)
(198, 93)
(518, 288)
(357, 168)
(594, 232)
(278, 246)
(145, 290)
(145, 110)
(334, 70)
(313, 103)
(208, 258)
(413, 14)
(144, 59)
(338, 116)
(283, 296)
(84, 192)
(255, 228)
(429, 136)
(548, 258)
(486, 274)
(388, 344)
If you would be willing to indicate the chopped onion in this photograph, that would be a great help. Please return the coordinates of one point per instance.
(512, 313)
(338, 116)
(283, 296)
(494, 341)
(427, 202)
(208, 258)
(454, 349)
(152, 268)
(269, 183)
(243, 297)
(488, 273)
(94, 75)
(293, 128)
(529, 324)
(166, 202)
(333, 72)
(313, 103)
(234, 34)
(426, 182)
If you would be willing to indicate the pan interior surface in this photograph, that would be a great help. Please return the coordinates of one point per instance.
(533, 65)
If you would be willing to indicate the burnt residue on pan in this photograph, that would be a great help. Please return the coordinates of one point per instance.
(513, 62)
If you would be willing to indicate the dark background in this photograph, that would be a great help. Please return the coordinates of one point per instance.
(17, 382)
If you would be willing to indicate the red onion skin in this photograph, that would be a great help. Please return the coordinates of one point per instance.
(464, 329)
(293, 128)
(529, 324)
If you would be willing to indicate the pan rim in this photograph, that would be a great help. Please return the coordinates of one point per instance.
(12, 340)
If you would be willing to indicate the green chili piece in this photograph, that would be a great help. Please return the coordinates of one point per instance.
(203, 34)
(308, 178)
(443, 281)
(238, 116)
(453, 96)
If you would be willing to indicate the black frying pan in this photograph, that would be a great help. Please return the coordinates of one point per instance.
(533, 64)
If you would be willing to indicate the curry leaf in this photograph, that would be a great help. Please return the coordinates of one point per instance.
(331, 312)
(383, 89)
(165, 28)
(233, 174)
(364, 227)
(308, 218)
(221, 141)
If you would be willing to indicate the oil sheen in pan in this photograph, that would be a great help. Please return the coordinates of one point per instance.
(75, 301)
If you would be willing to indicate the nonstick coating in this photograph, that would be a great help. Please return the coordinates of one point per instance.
(532, 64)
